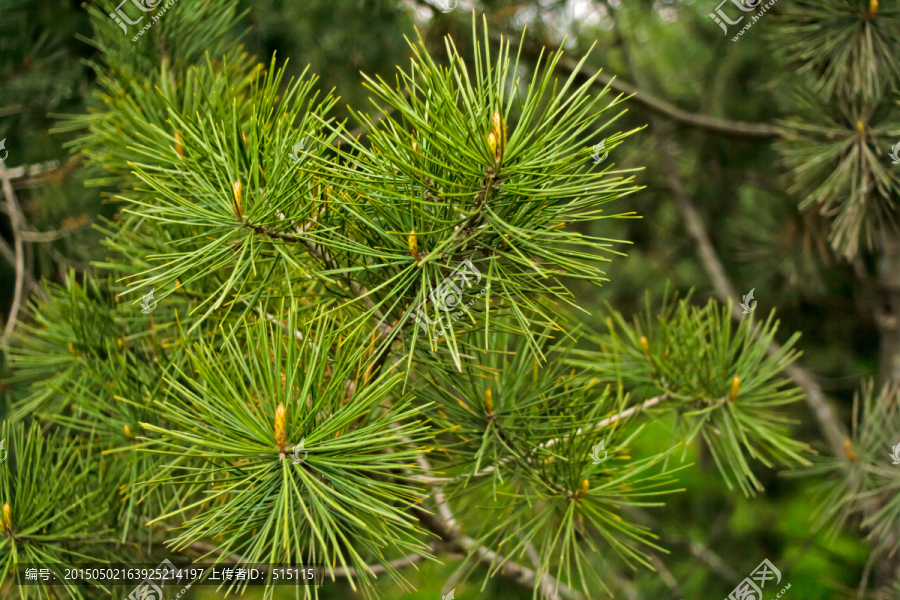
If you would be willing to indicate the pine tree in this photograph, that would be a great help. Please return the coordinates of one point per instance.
(399, 298)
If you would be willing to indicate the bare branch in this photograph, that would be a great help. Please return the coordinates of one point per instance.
(14, 220)
(657, 105)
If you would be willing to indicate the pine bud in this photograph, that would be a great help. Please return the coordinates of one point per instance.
(128, 432)
(7, 516)
(413, 245)
(873, 8)
(179, 150)
(488, 402)
(237, 189)
(645, 345)
(494, 146)
(849, 451)
(583, 490)
(415, 147)
(281, 426)
(499, 128)
(735, 387)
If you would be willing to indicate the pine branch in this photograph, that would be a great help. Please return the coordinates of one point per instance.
(40, 174)
(723, 287)
(619, 416)
(445, 527)
(12, 206)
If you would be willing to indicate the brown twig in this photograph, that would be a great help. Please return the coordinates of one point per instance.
(28, 176)
(657, 105)
(14, 220)
(724, 290)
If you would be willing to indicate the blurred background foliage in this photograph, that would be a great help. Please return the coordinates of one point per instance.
(741, 185)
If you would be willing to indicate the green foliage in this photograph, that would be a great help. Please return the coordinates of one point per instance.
(239, 413)
(519, 459)
(863, 483)
(722, 382)
(290, 256)
(51, 512)
(444, 178)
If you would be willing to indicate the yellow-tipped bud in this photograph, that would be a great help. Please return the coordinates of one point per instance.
(860, 127)
(179, 150)
(7, 516)
(498, 126)
(415, 146)
(237, 190)
(873, 8)
(583, 490)
(281, 426)
(72, 349)
(128, 432)
(488, 402)
(849, 451)
(413, 245)
(645, 346)
(494, 145)
(735, 388)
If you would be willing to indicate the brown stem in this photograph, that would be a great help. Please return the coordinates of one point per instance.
(15, 213)
(659, 106)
